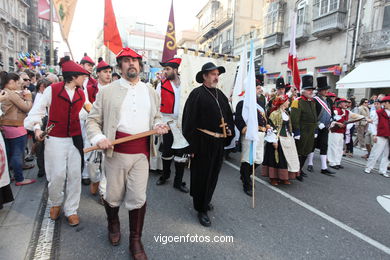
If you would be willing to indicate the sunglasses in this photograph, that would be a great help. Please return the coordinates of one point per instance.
(27, 79)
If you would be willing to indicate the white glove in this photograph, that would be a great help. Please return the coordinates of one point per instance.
(297, 137)
(321, 126)
(315, 135)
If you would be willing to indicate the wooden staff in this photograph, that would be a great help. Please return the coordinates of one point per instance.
(123, 140)
(253, 185)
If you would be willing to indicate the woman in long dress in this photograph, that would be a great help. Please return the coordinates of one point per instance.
(281, 162)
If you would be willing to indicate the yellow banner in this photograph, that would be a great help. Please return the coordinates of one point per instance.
(65, 11)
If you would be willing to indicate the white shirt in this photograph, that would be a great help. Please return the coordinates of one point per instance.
(136, 108)
(33, 120)
(374, 126)
(85, 83)
(176, 90)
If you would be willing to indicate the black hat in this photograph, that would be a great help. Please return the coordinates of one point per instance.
(209, 66)
(322, 83)
(260, 80)
(307, 82)
(280, 83)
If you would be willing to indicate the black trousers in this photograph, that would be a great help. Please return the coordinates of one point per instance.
(205, 168)
(321, 142)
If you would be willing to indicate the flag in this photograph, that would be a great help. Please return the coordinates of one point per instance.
(292, 54)
(238, 90)
(44, 11)
(170, 47)
(249, 110)
(112, 37)
(65, 11)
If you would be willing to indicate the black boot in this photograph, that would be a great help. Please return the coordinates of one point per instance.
(166, 172)
(136, 218)
(246, 171)
(114, 230)
(178, 183)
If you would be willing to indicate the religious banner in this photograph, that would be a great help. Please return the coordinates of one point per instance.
(65, 11)
(191, 65)
(170, 46)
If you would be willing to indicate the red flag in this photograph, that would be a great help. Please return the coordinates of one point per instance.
(292, 54)
(44, 11)
(170, 47)
(112, 38)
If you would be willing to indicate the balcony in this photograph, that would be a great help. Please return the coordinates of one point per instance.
(223, 18)
(273, 41)
(329, 24)
(227, 47)
(216, 49)
(375, 44)
(15, 22)
(302, 34)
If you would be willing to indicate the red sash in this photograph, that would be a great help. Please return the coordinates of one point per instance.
(132, 147)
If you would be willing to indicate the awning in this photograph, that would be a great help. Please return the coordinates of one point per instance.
(374, 74)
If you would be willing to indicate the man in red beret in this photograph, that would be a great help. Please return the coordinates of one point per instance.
(169, 91)
(89, 83)
(381, 135)
(64, 157)
(98, 180)
(126, 107)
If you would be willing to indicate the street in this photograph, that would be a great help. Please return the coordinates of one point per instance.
(324, 217)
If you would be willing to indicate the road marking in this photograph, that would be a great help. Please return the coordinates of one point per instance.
(45, 240)
(321, 214)
(384, 201)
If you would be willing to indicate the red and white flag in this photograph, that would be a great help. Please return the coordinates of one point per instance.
(292, 54)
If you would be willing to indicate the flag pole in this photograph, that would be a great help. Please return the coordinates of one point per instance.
(253, 185)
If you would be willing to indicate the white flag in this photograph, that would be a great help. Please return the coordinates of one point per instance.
(241, 76)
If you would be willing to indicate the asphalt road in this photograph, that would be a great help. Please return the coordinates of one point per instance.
(278, 228)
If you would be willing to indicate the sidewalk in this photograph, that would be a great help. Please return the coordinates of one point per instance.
(18, 219)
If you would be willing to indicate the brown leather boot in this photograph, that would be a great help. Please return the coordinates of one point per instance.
(114, 229)
(136, 218)
(93, 187)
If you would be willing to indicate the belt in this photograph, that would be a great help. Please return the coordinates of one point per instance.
(213, 134)
(10, 122)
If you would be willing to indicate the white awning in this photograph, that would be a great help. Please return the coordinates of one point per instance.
(374, 74)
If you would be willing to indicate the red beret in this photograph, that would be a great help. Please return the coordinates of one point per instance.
(102, 65)
(87, 59)
(127, 52)
(342, 100)
(279, 100)
(174, 63)
(331, 94)
(385, 99)
(70, 66)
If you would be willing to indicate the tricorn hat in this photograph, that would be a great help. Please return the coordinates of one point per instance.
(209, 66)
(322, 83)
(307, 82)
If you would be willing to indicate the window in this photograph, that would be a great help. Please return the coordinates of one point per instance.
(386, 17)
(301, 16)
(272, 17)
(11, 39)
(11, 64)
(323, 7)
(22, 44)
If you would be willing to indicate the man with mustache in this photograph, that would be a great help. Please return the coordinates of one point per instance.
(126, 107)
(169, 90)
(304, 121)
(207, 126)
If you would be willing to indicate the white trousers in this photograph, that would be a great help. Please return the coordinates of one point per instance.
(335, 148)
(63, 172)
(380, 150)
(85, 173)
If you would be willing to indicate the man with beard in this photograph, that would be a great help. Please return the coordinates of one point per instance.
(169, 91)
(324, 115)
(207, 126)
(87, 63)
(304, 121)
(98, 180)
(126, 107)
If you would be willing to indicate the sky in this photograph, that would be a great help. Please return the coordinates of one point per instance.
(89, 16)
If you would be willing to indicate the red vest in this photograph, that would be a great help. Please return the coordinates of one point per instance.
(383, 128)
(92, 89)
(342, 120)
(167, 98)
(65, 113)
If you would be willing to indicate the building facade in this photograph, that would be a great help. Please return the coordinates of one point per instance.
(221, 22)
(14, 31)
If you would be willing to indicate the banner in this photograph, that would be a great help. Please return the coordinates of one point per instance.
(44, 11)
(170, 46)
(65, 11)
